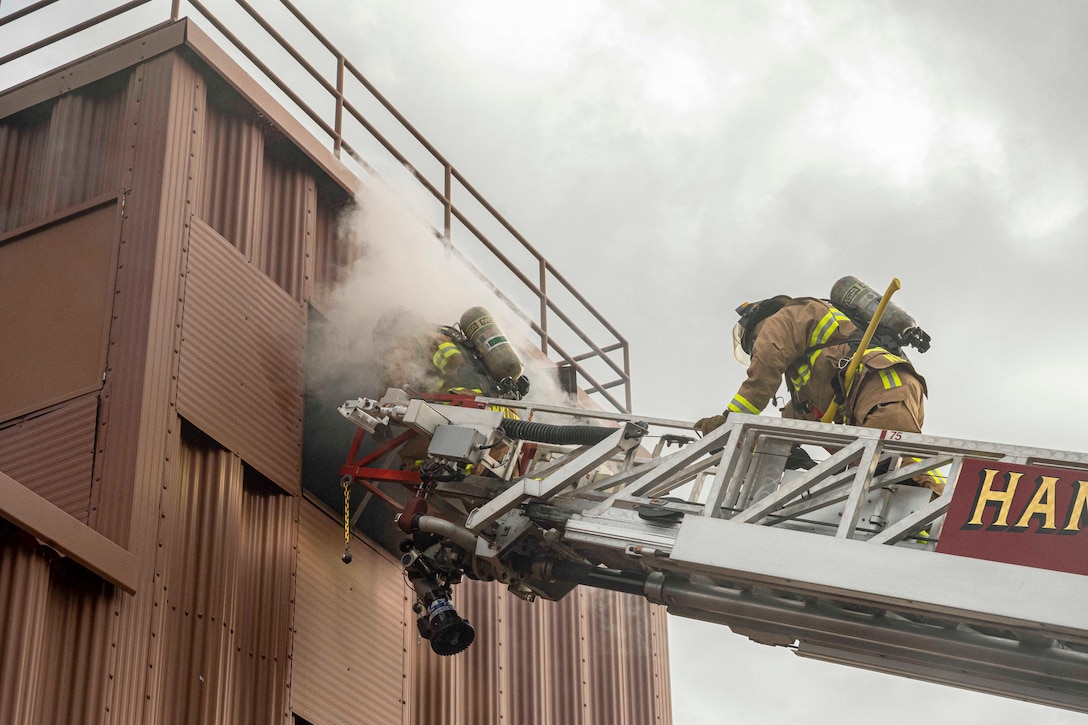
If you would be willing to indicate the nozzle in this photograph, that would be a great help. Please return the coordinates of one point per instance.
(449, 633)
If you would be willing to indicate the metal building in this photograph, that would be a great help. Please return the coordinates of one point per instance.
(167, 229)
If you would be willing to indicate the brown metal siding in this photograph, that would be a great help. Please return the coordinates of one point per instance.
(52, 453)
(53, 614)
(350, 629)
(662, 682)
(227, 585)
(287, 223)
(233, 152)
(240, 376)
(588, 658)
(80, 613)
(198, 582)
(265, 603)
(22, 152)
(567, 661)
(62, 153)
(56, 285)
(333, 256)
(23, 601)
(138, 432)
(85, 143)
(257, 193)
(482, 681)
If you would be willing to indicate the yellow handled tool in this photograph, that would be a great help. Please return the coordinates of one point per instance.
(855, 362)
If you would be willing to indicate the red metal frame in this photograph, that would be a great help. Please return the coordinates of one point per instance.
(361, 472)
(360, 469)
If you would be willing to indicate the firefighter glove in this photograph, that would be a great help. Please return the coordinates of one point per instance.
(704, 426)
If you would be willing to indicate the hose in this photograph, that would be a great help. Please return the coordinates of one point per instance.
(526, 430)
(447, 529)
(593, 576)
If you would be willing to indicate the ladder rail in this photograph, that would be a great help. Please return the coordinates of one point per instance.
(836, 562)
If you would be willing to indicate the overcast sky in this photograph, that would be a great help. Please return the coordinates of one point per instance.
(674, 159)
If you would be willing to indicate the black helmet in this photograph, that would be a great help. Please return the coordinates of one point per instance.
(751, 314)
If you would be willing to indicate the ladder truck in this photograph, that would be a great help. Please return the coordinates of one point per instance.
(983, 587)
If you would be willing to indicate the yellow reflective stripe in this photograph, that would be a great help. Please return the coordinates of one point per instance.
(823, 330)
(887, 355)
(803, 374)
(739, 405)
(937, 476)
(445, 351)
(508, 413)
(890, 378)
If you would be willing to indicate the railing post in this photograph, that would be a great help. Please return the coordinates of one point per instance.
(338, 141)
(175, 9)
(627, 374)
(543, 284)
(447, 216)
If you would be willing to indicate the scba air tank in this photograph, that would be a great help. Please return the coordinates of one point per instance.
(859, 301)
(496, 352)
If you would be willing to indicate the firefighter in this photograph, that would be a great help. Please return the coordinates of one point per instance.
(809, 342)
(427, 358)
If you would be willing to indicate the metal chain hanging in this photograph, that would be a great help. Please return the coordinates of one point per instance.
(346, 482)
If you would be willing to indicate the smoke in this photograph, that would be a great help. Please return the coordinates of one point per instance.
(403, 279)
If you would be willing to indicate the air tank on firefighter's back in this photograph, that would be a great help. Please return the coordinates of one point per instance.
(495, 350)
(859, 301)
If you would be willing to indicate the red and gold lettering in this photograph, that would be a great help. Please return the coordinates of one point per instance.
(1042, 504)
(1078, 509)
(994, 516)
(987, 495)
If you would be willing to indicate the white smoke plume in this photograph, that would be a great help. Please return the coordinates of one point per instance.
(402, 266)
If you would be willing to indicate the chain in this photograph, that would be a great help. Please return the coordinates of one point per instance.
(346, 481)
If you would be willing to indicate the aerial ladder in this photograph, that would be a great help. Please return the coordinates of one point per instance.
(843, 561)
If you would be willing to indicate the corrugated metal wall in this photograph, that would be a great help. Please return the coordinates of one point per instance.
(350, 629)
(56, 299)
(63, 152)
(233, 152)
(226, 590)
(227, 232)
(588, 659)
(53, 615)
(240, 376)
(52, 453)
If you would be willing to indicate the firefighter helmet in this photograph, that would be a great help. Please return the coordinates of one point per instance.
(751, 314)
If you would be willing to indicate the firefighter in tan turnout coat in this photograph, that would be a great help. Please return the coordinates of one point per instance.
(807, 342)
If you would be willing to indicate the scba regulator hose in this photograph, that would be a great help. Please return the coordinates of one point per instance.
(560, 435)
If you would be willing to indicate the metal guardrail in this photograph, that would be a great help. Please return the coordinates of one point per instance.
(460, 229)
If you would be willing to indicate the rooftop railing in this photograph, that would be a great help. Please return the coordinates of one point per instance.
(330, 96)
